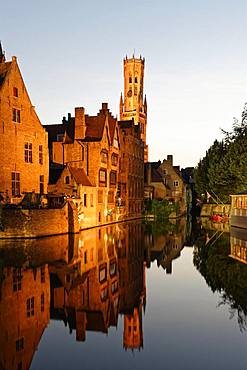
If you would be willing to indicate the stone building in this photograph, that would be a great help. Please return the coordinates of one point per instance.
(133, 105)
(24, 145)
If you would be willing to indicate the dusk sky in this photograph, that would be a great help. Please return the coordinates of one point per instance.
(71, 54)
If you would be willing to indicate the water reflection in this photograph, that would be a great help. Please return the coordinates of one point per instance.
(221, 259)
(86, 281)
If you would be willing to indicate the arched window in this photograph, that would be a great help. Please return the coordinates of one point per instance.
(136, 80)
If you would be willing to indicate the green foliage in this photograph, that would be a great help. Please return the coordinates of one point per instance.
(223, 170)
(223, 275)
(161, 209)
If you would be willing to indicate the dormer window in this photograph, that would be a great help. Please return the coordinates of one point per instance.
(67, 180)
(15, 92)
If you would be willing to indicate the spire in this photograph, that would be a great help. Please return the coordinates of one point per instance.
(121, 104)
(2, 55)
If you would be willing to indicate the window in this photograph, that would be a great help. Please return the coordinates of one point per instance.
(40, 154)
(42, 274)
(30, 307)
(15, 92)
(175, 183)
(15, 177)
(16, 115)
(114, 159)
(113, 268)
(85, 200)
(130, 79)
(104, 293)
(102, 177)
(28, 152)
(42, 302)
(91, 200)
(17, 279)
(102, 273)
(41, 184)
(114, 287)
(104, 156)
(85, 257)
(67, 180)
(135, 90)
(19, 344)
(136, 80)
(113, 178)
(99, 216)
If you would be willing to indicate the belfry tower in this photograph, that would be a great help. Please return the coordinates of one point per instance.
(133, 105)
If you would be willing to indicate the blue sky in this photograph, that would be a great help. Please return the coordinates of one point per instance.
(71, 54)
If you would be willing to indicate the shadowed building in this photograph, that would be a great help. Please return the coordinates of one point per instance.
(24, 146)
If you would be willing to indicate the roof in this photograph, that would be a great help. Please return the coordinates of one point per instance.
(4, 69)
(156, 176)
(80, 176)
(243, 192)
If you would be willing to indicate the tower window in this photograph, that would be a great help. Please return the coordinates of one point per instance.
(136, 80)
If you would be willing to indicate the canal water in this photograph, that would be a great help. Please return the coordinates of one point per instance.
(128, 296)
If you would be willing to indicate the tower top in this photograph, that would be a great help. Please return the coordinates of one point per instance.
(134, 59)
(2, 54)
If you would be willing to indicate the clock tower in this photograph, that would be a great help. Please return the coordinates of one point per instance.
(133, 104)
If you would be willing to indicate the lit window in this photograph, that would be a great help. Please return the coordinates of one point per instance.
(102, 177)
(28, 152)
(113, 178)
(114, 159)
(104, 156)
(15, 177)
(16, 115)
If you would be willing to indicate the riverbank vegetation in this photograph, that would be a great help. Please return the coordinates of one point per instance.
(222, 171)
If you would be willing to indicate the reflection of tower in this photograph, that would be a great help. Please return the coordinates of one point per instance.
(133, 105)
(133, 335)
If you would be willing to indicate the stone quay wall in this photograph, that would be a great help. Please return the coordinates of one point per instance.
(34, 223)
(213, 209)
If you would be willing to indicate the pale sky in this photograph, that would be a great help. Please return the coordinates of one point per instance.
(71, 54)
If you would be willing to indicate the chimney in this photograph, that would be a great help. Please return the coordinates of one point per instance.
(149, 174)
(170, 159)
(80, 126)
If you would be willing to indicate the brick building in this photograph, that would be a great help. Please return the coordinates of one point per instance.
(132, 105)
(131, 174)
(24, 145)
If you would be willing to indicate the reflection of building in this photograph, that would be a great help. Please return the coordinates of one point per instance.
(166, 245)
(105, 276)
(238, 240)
(24, 147)
(24, 314)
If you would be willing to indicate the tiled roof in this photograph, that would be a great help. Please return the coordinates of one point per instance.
(80, 176)
(4, 68)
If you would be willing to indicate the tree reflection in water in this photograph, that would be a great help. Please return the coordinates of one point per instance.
(222, 273)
